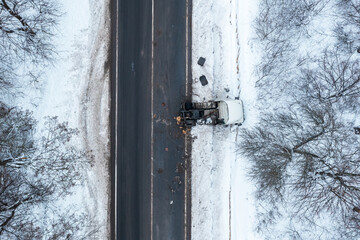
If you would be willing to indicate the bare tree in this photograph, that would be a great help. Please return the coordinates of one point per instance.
(279, 26)
(304, 153)
(34, 170)
(26, 30)
(347, 30)
(307, 156)
(280, 20)
(66, 225)
(334, 79)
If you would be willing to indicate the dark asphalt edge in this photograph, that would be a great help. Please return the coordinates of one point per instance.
(188, 138)
(112, 58)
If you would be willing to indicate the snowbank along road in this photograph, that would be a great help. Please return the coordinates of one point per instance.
(150, 72)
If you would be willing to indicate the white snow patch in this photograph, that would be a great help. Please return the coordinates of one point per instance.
(222, 196)
(95, 108)
(76, 90)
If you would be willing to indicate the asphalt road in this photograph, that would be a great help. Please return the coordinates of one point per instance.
(150, 72)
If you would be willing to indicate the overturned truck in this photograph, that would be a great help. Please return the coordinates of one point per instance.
(224, 112)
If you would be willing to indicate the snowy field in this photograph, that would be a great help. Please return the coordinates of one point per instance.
(222, 196)
(303, 157)
(76, 90)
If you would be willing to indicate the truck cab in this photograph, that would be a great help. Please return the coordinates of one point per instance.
(225, 112)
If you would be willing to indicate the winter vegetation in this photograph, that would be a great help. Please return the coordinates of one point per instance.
(304, 152)
(26, 30)
(37, 167)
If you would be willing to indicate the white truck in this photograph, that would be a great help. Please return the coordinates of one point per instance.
(224, 112)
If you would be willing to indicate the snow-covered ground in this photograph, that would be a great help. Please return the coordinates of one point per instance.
(222, 196)
(223, 202)
(76, 89)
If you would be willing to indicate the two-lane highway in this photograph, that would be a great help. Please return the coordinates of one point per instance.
(150, 78)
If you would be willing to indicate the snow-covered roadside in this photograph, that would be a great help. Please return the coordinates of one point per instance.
(242, 200)
(77, 91)
(222, 196)
(95, 117)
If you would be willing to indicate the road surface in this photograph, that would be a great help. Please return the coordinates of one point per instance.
(150, 74)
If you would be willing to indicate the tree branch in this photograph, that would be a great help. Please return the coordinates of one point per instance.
(13, 208)
(21, 19)
(308, 140)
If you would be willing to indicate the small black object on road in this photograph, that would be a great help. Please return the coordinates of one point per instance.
(201, 61)
(203, 80)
